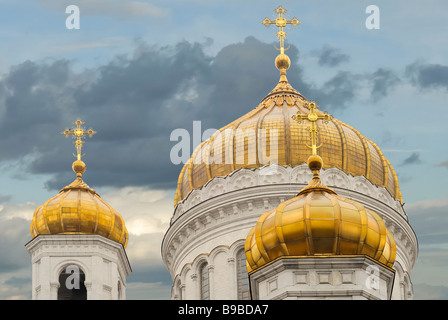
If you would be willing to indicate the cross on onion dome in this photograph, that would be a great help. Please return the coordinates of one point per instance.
(79, 133)
(312, 116)
(281, 22)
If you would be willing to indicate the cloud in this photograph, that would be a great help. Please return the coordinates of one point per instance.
(414, 158)
(426, 75)
(131, 102)
(338, 91)
(383, 81)
(145, 211)
(14, 234)
(15, 288)
(331, 57)
(135, 101)
(15, 262)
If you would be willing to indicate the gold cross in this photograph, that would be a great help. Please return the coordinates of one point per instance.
(281, 22)
(79, 134)
(312, 116)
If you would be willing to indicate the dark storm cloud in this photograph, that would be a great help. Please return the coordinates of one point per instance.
(414, 158)
(14, 233)
(331, 57)
(134, 102)
(338, 91)
(382, 82)
(30, 106)
(428, 75)
(130, 102)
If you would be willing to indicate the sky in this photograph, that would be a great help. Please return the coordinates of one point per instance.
(135, 71)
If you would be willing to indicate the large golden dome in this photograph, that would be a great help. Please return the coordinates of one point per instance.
(318, 222)
(343, 146)
(77, 208)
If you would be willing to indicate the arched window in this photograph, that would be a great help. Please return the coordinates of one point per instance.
(71, 284)
(242, 277)
(205, 282)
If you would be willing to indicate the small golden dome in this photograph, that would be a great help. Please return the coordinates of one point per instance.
(318, 222)
(78, 209)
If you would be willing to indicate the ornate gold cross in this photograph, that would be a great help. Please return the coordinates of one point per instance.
(79, 134)
(281, 22)
(312, 116)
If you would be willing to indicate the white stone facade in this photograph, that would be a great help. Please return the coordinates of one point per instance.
(218, 217)
(103, 261)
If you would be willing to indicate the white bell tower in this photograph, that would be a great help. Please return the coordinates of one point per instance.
(78, 267)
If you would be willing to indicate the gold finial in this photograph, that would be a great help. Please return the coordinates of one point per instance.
(281, 22)
(312, 116)
(79, 133)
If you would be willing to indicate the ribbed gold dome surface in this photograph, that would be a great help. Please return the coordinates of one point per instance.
(78, 209)
(343, 146)
(318, 222)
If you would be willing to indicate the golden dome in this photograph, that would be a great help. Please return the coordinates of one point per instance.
(343, 146)
(78, 209)
(318, 222)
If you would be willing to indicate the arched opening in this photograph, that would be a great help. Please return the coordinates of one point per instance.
(242, 277)
(205, 282)
(71, 284)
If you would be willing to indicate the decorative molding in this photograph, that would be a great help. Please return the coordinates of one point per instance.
(297, 176)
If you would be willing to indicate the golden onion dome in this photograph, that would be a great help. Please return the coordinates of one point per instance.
(318, 222)
(343, 146)
(77, 208)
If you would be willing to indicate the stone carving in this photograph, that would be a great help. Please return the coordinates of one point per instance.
(216, 187)
(269, 175)
(300, 174)
(241, 179)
